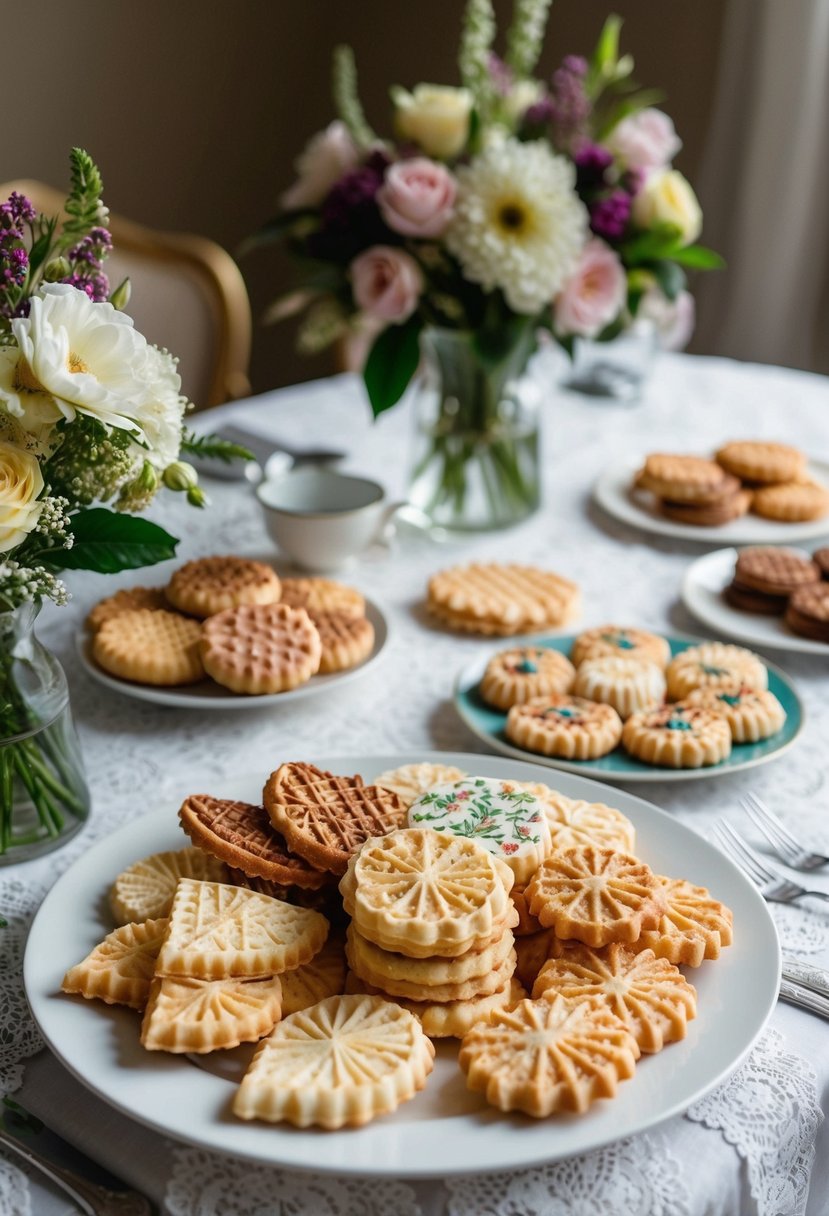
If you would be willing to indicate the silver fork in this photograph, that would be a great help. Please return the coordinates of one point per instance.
(780, 838)
(772, 883)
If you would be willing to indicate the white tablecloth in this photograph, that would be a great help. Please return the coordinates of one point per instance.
(753, 1146)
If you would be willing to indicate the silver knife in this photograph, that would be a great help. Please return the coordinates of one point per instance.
(804, 998)
(807, 975)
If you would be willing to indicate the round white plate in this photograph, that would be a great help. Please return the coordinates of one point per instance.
(618, 766)
(445, 1129)
(702, 588)
(207, 695)
(613, 492)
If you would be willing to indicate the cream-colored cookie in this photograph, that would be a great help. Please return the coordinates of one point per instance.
(629, 685)
(120, 968)
(150, 646)
(751, 715)
(527, 923)
(436, 971)
(500, 599)
(261, 648)
(714, 665)
(213, 584)
(566, 726)
(523, 672)
(680, 735)
(187, 1015)
(324, 976)
(145, 889)
(693, 926)
(617, 641)
(411, 780)
(126, 600)
(449, 1019)
(318, 595)
(574, 822)
(465, 990)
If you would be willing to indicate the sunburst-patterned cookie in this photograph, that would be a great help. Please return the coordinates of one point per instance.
(574, 822)
(120, 969)
(693, 926)
(188, 1015)
(145, 889)
(324, 976)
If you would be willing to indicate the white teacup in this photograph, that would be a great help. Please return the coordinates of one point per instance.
(322, 519)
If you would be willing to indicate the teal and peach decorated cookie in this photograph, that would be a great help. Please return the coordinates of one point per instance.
(752, 714)
(561, 725)
(678, 736)
(714, 665)
(616, 641)
(505, 819)
(629, 685)
(517, 675)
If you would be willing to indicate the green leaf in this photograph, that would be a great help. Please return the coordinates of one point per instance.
(211, 447)
(40, 247)
(625, 107)
(391, 363)
(661, 241)
(607, 48)
(107, 542)
(699, 257)
(670, 277)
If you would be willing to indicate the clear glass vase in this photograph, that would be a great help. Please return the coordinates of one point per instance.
(476, 456)
(615, 371)
(44, 799)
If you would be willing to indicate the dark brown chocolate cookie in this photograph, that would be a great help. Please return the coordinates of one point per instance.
(774, 571)
(808, 612)
(746, 600)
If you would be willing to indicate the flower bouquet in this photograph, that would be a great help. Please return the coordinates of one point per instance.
(90, 414)
(499, 209)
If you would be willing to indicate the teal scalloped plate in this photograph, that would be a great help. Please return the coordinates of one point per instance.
(488, 724)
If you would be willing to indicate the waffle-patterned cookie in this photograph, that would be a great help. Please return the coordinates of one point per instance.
(650, 995)
(320, 595)
(213, 584)
(324, 976)
(504, 817)
(562, 725)
(422, 893)
(596, 896)
(751, 460)
(792, 502)
(412, 780)
(547, 1056)
(693, 926)
(150, 646)
(821, 558)
(751, 715)
(617, 641)
(325, 818)
(435, 971)
(188, 1015)
(448, 1019)
(714, 665)
(145, 890)
(629, 685)
(120, 968)
(221, 932)
(574, 822)
(260, 648)
(687, 479)
(340, 1063)
(773, 570)
(680, 735)
(126, 600)
(345, 639)
(499, 599)
(523, 672)
(242, 835)
(808, 612)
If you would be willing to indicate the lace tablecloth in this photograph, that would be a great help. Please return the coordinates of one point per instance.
(754, 1145)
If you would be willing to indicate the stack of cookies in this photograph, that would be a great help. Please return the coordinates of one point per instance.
(234, 621)
(769, 479)
(500, 600)
(774, 581)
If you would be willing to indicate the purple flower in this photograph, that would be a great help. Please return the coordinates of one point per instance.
(592, 161)
(576, 65)
(16, 211)
(86, 259)
(538, 115)
(570, 103)
(351, 219)
(609, 215)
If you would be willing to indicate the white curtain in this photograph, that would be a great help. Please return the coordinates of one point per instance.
(764, 187)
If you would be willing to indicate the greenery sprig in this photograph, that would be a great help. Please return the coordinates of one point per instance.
(346, 97)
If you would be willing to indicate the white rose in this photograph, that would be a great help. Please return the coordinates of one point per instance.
(21, 484)
(647, 140)
(436, 117)
(326, 157)
(522, 95)
(673, 319)
(667, 198)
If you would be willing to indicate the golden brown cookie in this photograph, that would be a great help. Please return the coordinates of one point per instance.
(389, 967)
(709, 514)
(680, 735)
(322, 595)
(686, 479)
(808, 612)
(346, 639)
(145, 890)
(566, 726)
(260, 648)
(532, 953)
(751, 714)
(629, 685)
(714, 665)
(213, 584)
(693, 926)
(127, 600)
(527, 923)
(521, 673)
(751, 460)
(150, 647)
(494, 978)
(791, 502)
(120, 968)
(198, 1016)
(616, 641)
(496, 599)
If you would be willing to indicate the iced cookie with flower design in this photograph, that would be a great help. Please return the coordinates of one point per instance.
(561, 725)
(714, 665)
(752, 714)
(678, 736)
(523, 672)
(614, 641)
(502, 816)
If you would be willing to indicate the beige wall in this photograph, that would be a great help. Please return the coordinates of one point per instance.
(195, 109)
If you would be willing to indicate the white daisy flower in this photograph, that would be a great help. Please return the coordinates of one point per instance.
(519, 224)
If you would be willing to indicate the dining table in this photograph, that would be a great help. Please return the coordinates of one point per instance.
(758, 1142)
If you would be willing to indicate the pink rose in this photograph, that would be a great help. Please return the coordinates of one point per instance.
(594, 295)
(327, 156)
(416, 197)
(386, 283)
(673, 319)
(646, 140)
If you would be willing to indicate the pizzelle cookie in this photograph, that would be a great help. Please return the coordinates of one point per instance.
(345, 640)
(412, 990)
(324, 976)
(547, 1056)
(685, 479)
(145, 889)
(527, 923)
(213, 584)
(503, 817)
(596, 896)
(680, 735)
(693, 926)
(751, 715)
(500, 599)
(150, 646)
(260, 648)
(121, 967)
(436, 971)
(339, 1063)
(322, 595)
(411, 780)
(629, 685)
(189, 1015)
(242, 835)
(449, 1019)
(714, 665)
(126, 600)
(325, 818)
(574, 822)
(561, 725)
(616, 641)
(532, 953)
(751, 460)
(521, 673)
(221, 932)
(649, 994)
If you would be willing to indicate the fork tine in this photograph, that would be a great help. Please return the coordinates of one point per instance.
(778, 843)
(769, 823)
(743, 854)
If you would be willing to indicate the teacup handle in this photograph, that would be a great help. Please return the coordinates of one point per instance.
(385, 528)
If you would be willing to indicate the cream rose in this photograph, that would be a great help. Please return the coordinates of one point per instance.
(387, 283)
(436, 117)
(326, 157)
(416, 197)
(21, 484)
(667, 198)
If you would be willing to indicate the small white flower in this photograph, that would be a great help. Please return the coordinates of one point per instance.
(519, 224)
